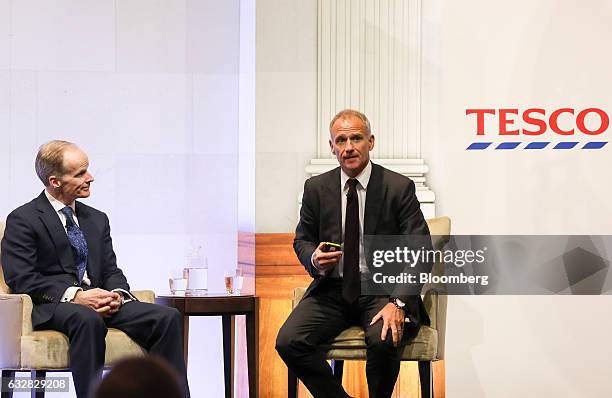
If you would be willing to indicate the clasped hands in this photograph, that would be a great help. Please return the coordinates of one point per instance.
(102, 301)
(393, 318)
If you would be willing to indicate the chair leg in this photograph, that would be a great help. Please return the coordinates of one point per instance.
(38, 374)
(426, 378)
(292, 384)
(337, 367)
(7, 375)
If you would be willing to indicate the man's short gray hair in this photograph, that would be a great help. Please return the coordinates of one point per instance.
(50, 160)
(351, 112)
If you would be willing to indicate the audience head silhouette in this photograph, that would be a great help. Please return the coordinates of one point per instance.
(138, 378)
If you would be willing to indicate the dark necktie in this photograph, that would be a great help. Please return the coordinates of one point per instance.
(77, 241)
(351, 283)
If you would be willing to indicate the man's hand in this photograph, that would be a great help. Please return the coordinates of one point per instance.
(102, 301)
(393, 318)
(115, 304)
(326, 260)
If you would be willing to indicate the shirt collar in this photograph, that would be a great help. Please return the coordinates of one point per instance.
(363, 177)
(57, 205)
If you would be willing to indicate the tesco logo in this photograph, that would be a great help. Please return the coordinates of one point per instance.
(562, 124)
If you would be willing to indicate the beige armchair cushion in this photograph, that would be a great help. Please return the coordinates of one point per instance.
(350, 344)
(23, 348)
(47, 349)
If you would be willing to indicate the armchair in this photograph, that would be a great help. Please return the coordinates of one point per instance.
(427, 346)
(39, 351)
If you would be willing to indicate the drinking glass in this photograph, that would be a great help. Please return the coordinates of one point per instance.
(197, 272)
(178, 281)
(238, 281)
(229, 282)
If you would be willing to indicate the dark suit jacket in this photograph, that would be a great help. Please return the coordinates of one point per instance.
(37, 257)
(391, 208)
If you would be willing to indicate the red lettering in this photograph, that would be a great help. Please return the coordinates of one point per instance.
(504, 122)
(553, 123)
(605, 121)
(534, 122)
(480, 113)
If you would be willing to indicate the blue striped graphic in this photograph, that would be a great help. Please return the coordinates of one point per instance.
(508, 145)
(594, 145)
(478, 146)
(537, 145)
(565, 145)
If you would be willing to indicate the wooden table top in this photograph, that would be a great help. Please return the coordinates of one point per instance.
(210, 304)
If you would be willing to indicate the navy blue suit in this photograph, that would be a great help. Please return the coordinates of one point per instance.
(38, 260)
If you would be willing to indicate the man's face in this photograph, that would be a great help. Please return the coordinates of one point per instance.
(351, 144)
(76, 179)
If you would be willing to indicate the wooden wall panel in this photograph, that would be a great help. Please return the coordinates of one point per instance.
(277, 273)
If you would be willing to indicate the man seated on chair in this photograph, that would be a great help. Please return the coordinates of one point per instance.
(356, 199)
(59, 251)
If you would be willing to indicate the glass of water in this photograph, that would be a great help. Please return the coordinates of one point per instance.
(238, 281)
(178, 281)
(197, 275)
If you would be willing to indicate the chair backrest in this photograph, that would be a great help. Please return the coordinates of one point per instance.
(4, 289)
(439, 228)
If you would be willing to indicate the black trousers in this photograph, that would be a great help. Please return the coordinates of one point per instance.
(319, 318)
(156, 328)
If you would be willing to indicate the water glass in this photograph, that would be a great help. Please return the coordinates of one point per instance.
(178, 281)
(238, 281)
(229, 282)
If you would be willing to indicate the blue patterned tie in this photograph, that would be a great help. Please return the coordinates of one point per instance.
(77, 241)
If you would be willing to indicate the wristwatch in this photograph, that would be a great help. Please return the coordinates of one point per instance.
(398, 303)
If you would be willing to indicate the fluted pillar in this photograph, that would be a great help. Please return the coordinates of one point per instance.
(369, 58)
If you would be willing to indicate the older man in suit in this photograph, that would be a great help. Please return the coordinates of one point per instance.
(358, 198)
(59, 251)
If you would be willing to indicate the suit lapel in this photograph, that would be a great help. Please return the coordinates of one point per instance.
(57, 233)
(331, 207)
(89, 229)
(374, 197)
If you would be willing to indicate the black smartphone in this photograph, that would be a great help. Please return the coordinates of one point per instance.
(331, 247)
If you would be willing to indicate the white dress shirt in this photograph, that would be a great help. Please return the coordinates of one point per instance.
(363, 178)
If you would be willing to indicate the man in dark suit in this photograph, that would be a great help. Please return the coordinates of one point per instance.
(60, 252)
(358, 198)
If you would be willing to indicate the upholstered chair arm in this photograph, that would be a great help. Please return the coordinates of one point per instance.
(16, 314)
(435, 301)
(146, 296)
(298, 293)
(23, 304)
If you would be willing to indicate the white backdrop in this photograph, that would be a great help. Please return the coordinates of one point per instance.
(150, 89)
(476, 54)
(548, 54)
